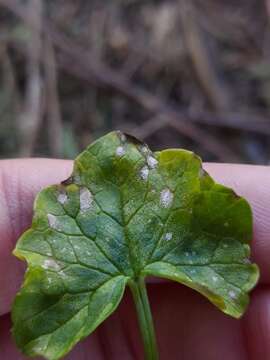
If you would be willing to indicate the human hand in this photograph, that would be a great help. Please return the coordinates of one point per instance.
(187, 325)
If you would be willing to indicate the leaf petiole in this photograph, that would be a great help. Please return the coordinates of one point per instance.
(146, 325)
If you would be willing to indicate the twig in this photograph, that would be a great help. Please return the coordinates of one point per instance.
(200, 55)
(155, 106)
(234, 120)
(52, 100)
(207, 141)
(267, 6)
(80, 63)
(30, 119)
(9, 79)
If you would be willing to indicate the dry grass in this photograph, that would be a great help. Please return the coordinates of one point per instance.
(178, 73)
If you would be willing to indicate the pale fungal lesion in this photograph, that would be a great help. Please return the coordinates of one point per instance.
(215, 278)
(168, 236)
(144, 172)
(62, 197)
(232, 294)
(166, 198)
(86, 199)
(144, 149)
(54, 223)
(77, 179)
(120, 151)
(202, 172)
(39, 347)
(246, 261)
(123, 137)
(152, 162)
(62, 274)
(50, 264)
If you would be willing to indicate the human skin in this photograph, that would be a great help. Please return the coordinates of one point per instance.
(188, 327)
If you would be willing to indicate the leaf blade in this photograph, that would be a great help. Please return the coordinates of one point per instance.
(69, 317)
(126, 213)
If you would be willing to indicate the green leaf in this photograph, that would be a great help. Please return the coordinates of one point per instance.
(124, 214)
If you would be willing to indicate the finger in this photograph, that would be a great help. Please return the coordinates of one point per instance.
(176, 311)
(257, 325)
(190, 328)
(252, 182)
(20, 180)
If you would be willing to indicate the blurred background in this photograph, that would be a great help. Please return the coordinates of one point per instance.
(175, 73)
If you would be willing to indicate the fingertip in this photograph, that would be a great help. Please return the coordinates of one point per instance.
(257, 325)
(20, 181)
(253, 183)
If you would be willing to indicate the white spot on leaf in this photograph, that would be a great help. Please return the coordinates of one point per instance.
(120, 151)
(86, 199)
(144, 173)
(62, 197)
(246, 261)
(53, 222)
(123, 137)
(215, 278)
(168, 236)
(166, 198)
(144, 149)
(226, 224)
(201, 172)
(151, 161)
(50, 264)
(232, 294)
(77, 179)
(62, 274)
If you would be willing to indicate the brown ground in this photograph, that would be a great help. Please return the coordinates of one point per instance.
(193, 74)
